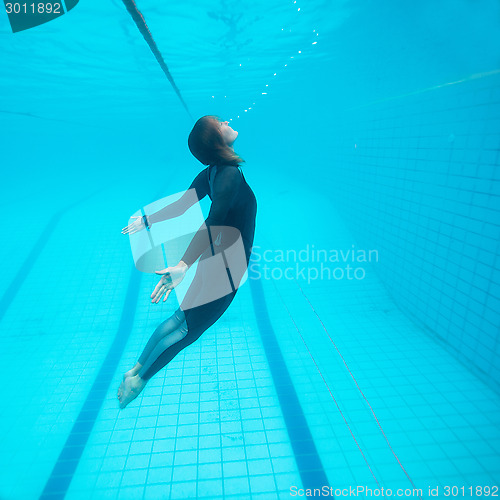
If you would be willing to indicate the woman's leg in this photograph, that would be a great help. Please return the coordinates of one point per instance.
(172, 333)
(165, 329)
(202, 310)
(201, 318)
(169, 325)
(169, 332)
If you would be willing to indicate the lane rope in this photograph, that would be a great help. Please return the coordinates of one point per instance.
(357, 385)
(143, 28)
(327, 386)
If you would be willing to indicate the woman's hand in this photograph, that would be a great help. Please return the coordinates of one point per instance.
(135, 226)
(171, 277)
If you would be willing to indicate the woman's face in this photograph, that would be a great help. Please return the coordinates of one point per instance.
(228, 134)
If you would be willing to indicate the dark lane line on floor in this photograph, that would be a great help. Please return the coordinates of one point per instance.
(27, 266)
(59, 480)
(64, 469)
(29, 263)
(306, 455)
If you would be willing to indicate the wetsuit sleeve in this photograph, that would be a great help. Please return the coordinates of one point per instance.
(200, 184)
(226, 186)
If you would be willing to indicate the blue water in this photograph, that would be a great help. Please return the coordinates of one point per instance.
(371, 135)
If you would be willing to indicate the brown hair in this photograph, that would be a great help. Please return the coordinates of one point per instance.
(207, 145)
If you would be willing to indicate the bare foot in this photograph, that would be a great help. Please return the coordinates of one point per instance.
(132, 387)
(134, 371)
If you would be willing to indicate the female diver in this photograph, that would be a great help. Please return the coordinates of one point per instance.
(231, 219)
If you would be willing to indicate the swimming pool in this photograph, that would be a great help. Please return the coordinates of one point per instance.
(361, 352)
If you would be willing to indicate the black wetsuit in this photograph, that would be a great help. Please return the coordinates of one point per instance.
(233, 207)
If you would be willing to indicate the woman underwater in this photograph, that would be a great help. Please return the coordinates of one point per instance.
(231, 220)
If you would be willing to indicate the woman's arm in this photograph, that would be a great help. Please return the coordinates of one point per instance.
(225, 189)
(188, 199)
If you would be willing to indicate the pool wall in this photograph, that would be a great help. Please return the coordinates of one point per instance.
(417, 177)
